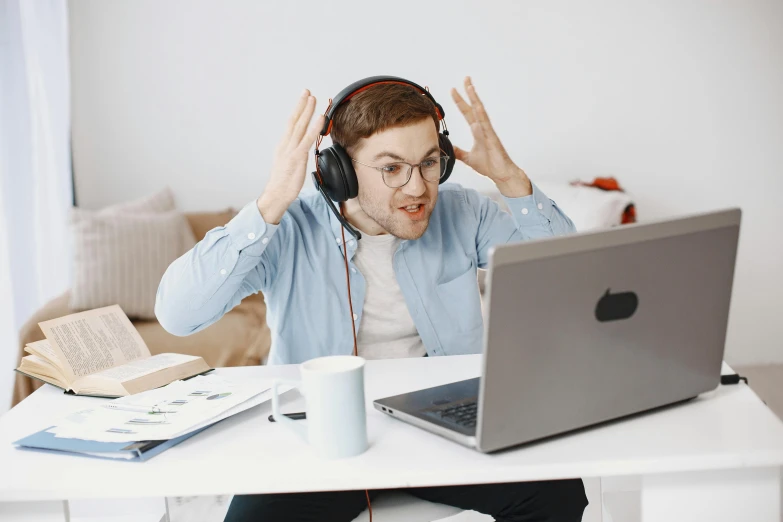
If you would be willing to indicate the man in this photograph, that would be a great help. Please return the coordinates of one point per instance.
(413, 289)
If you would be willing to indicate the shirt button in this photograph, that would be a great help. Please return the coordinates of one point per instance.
(540, 206)
(353, 270)
(339, 241)
(524, 211)
(251, 236)
(355, 317)
(265, 240)
(350, 242)
(222, 271)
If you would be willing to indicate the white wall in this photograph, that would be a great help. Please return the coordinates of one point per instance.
(680, 100)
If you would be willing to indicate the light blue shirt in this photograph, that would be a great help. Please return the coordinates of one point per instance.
(299, 267)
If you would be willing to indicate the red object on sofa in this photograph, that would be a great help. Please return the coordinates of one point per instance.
(629, 214)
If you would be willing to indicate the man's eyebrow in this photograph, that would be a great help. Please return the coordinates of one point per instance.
(397, 157)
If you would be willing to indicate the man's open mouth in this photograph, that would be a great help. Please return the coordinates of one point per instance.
(413, 211)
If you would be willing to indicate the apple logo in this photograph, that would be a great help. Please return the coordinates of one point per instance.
(613, 307)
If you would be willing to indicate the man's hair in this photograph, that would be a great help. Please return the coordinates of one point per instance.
(378, 108)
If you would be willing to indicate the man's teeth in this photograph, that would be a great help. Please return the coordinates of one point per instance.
(412, 208)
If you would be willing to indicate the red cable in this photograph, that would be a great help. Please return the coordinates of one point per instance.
(369, 506)
(348, 282)
(353, 323)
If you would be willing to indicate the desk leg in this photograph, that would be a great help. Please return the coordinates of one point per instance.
(717, 496)
(44, 511)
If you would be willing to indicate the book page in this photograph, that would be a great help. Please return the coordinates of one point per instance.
(95, 340)
(41, 368)
(43, 348)
(141, 367)
(140, 375)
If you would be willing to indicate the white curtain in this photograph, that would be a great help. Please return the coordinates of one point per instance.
(35, 167)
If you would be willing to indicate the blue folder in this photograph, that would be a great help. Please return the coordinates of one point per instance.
(133, 451)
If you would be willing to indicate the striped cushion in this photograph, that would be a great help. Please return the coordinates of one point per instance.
(161, 201)
(121, 252)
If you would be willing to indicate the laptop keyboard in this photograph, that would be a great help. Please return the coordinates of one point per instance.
(463, 413)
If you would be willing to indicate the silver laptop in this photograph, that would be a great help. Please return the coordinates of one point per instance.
(588, 328)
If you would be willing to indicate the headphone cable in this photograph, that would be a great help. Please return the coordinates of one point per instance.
(353, 322)
(348, 283)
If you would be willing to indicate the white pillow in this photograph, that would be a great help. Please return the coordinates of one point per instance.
(588, 207)
(121, 252)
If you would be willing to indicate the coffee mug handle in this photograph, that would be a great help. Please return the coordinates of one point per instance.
(298, 426)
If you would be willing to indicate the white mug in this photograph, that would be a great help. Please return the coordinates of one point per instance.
(333, 388)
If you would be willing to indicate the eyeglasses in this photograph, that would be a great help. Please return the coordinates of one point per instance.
(397, 174)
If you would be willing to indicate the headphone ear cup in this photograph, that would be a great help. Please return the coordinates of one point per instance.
(349, 174)
(448, 149)
(337, 174)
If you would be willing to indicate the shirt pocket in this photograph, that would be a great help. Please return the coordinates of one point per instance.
(461, 300)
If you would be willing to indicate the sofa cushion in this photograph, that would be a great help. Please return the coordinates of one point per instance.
(203, 222)
(120, 258)
(161, 201)
(240, 338)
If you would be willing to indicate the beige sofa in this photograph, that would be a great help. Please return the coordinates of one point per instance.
(239, 338)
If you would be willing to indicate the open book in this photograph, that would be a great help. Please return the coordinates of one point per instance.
(99, 352)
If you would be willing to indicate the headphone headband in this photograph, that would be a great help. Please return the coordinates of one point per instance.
(361, 85)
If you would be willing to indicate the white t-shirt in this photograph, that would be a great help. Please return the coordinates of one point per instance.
(386, 330)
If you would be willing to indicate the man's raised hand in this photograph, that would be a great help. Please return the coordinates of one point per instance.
(289, 168)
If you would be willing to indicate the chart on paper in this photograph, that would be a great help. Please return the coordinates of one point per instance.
(164, 413)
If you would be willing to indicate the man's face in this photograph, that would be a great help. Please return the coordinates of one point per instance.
(403, 212)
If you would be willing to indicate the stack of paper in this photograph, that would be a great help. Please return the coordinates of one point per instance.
(129, 427)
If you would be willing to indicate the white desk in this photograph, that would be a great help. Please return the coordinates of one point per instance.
(715, 458)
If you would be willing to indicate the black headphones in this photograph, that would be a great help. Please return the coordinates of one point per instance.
(334, 176)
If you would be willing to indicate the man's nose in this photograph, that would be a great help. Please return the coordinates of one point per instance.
(416, 186)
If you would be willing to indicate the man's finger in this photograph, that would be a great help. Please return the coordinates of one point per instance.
(475, 102)
(463, 106)
(480, 112)
(460, 154)
(301, 125)
(300, 105)
(313, 132)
